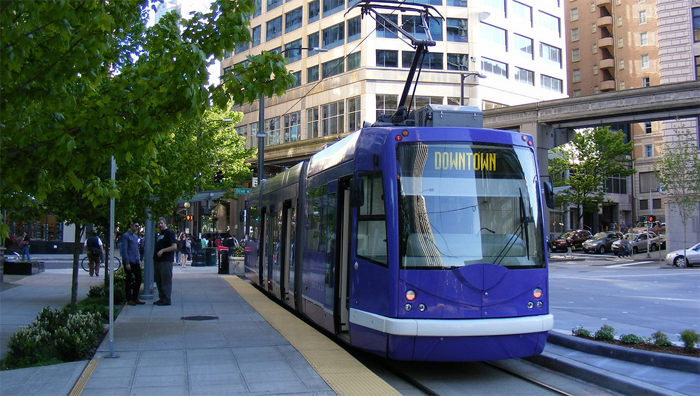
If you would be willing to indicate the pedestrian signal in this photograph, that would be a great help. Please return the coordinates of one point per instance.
(189, 217)
(652, 218)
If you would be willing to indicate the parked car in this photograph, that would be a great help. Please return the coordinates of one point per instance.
(692, 257)
(638, 242)
(601, 242)
(662, 241)
(575, 239)
(655, 226)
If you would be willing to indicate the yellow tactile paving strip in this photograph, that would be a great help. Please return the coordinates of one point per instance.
(84, 377)
(343, 373)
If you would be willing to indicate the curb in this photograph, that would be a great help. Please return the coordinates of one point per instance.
(656, 359)
(615, 382)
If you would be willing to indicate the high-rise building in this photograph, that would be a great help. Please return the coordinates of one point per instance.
(517, 45)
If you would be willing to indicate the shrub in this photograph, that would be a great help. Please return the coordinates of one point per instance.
(579, 331)
(606, 332)
(119, 291)
(630, 339)
(239, 250)
(690, 338)
(660, 339)
(77, 336)
(97, 292)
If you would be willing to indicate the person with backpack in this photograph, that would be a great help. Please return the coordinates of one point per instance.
(95, 250)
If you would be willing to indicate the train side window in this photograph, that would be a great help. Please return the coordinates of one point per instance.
(371, 221)
(317, 222)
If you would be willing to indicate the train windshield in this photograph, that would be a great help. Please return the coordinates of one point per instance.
(463, 204)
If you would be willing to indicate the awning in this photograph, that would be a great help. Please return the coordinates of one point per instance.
(203, 196)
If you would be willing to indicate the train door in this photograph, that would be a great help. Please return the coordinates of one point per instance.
(343, 252)
(263, 247)
(287, 253)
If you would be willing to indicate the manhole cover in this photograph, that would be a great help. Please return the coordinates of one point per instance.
(199, 317)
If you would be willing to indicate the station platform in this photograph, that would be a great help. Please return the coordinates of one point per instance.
(222, 336)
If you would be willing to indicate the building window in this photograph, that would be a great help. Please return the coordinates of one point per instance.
(330, 7)
(523, 12)
(334, 36)
(647, 182)
(644, 204)
(592, 7)
(292, 51)
(354, 29)
(312, 41)
(646, 82)
(457, 30)
(575, 56)
(272, 126)
(619, 21)
(253, 132)
(458, 62)
(645, 61)
(332, 118)
(386, 104)
(551, 83)
(696, 24)
(550, 22)
(550, 53)
(494, 35)
(332, 68)
(385, 29)
(312, 123)
(642, 17)
(258, 8)
(353, 61)
(573, 14)
(594, 28)
(413, 25)
(431, 60)
(648, 150)
(456, 3)
(297, 79)
(647, 127)
(313, 11)
(386, 58)
(595, 70)
(621, 65)
(292, 20)
(256, 36)
(594, 48)
(576, 76)
(697, 67)
(494, 67)
(524, 46)
(312, 74)
(421, 101)
(577, 92)
(574, 34)
(272, 4)
(620, 42)
(644, 38)
(488, 105)
(499, 5)
(274, 29)
(240, 48)
(616, 185)
(623, 86)
(292, 127)
(524, 76)
(354, 120)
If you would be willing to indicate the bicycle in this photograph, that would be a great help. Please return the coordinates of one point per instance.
(116, 263)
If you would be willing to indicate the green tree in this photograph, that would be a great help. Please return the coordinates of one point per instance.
(84, 81)
(585, 164)
(678, 171)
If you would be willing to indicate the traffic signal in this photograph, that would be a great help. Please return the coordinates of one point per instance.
(219, 177)
(189, 218)
(652, 218)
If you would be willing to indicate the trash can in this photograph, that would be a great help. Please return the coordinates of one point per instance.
(210, 257)
(198, 258)
(223, 262)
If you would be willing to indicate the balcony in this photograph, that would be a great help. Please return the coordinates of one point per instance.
(606, 63)
(605, 21)
(606, 42)
(604, 3)
(607, 85)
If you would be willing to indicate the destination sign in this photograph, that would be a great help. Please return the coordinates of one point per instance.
(464, 161)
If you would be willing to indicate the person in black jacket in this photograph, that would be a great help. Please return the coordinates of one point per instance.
(163, 257)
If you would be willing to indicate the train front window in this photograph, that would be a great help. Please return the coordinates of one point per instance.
(463, 204)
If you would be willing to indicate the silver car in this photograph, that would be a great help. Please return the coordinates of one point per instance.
(638, 242)
(692, 257)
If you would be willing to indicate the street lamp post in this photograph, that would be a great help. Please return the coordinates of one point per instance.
(261, 135)
(464, 76)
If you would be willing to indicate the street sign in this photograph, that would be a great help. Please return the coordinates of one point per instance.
(241, 190)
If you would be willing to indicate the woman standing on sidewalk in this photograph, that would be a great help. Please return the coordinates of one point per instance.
(24, 244)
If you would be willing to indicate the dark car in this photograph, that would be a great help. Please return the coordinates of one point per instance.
(575, 239)
(601, 242)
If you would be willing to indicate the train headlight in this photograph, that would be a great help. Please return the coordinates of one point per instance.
(410, 295)
(537, 293)
(408, 307)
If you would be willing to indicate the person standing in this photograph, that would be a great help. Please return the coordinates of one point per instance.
(24, 244)
(163, 255)
(129, 249)
(94, 252)
(184, 249)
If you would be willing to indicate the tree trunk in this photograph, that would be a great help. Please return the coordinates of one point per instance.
(76, 257)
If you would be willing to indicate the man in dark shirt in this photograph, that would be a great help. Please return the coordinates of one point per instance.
(163, 255)
(132, 263)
